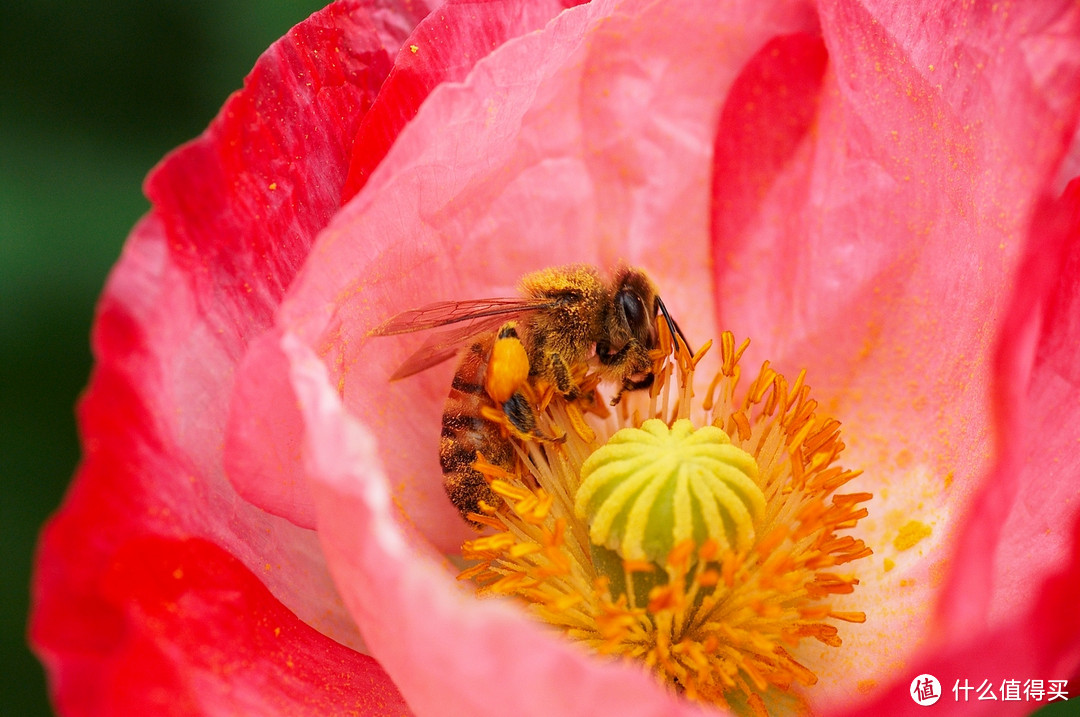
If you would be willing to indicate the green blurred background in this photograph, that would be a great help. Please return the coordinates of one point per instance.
(92, 95)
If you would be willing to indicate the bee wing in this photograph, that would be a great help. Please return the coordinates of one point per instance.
(442, 313)
(446, 344)
(477, 316)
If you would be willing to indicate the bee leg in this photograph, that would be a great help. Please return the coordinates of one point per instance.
(522, 419)
(631, 385)
(564, 381)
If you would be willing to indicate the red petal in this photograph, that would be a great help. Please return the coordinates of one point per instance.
(263, 434)
(262, 444)
(141, 475)
(242, 203)
(180, 627)
(199, 277)
(771, 107)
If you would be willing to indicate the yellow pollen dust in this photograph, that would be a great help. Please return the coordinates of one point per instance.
(911, 534)
(703, 537)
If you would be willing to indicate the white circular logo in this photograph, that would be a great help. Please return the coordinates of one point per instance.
(925, 690)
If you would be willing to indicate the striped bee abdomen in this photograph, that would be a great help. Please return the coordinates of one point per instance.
(465, 433)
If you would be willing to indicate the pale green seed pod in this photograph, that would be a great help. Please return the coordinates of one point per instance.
(651, 488)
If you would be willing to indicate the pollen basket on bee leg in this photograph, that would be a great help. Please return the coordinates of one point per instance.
(508, 367)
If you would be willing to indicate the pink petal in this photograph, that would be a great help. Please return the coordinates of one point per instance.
(199, 277)
(1022, 522)
(180, 627)
(262, 441)
(1022, 572)
(1040, 405)
(544, 165)
(1040, 641)
(541, 167)
(449, 652)
(872, 244)
(263, 436)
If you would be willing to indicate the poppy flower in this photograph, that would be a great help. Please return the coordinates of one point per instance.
(878, 195)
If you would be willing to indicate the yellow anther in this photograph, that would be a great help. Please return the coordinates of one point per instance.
(577, 422)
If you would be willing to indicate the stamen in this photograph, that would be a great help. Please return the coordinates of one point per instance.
(703, 538)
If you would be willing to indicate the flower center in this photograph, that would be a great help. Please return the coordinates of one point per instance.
(649, 489)
(703, 540)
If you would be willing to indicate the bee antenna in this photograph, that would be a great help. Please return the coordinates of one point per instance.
(672, 326)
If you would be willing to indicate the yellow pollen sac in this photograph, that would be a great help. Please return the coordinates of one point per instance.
(651, 488)
(507, 369)
(709, 539)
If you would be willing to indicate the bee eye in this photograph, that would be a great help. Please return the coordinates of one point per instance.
(632, 309)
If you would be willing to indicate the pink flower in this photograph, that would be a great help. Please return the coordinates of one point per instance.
(866, 189)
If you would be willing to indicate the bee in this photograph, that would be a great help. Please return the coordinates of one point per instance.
(565, 317)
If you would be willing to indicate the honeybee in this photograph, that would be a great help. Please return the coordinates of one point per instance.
(565, 317)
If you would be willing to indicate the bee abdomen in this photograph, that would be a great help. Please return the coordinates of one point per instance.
(458, 451)
(455, 456)
(465, 434)
(454, 423)
(466, 386)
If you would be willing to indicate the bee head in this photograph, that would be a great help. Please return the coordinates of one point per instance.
(633, 310)
(630, 324)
